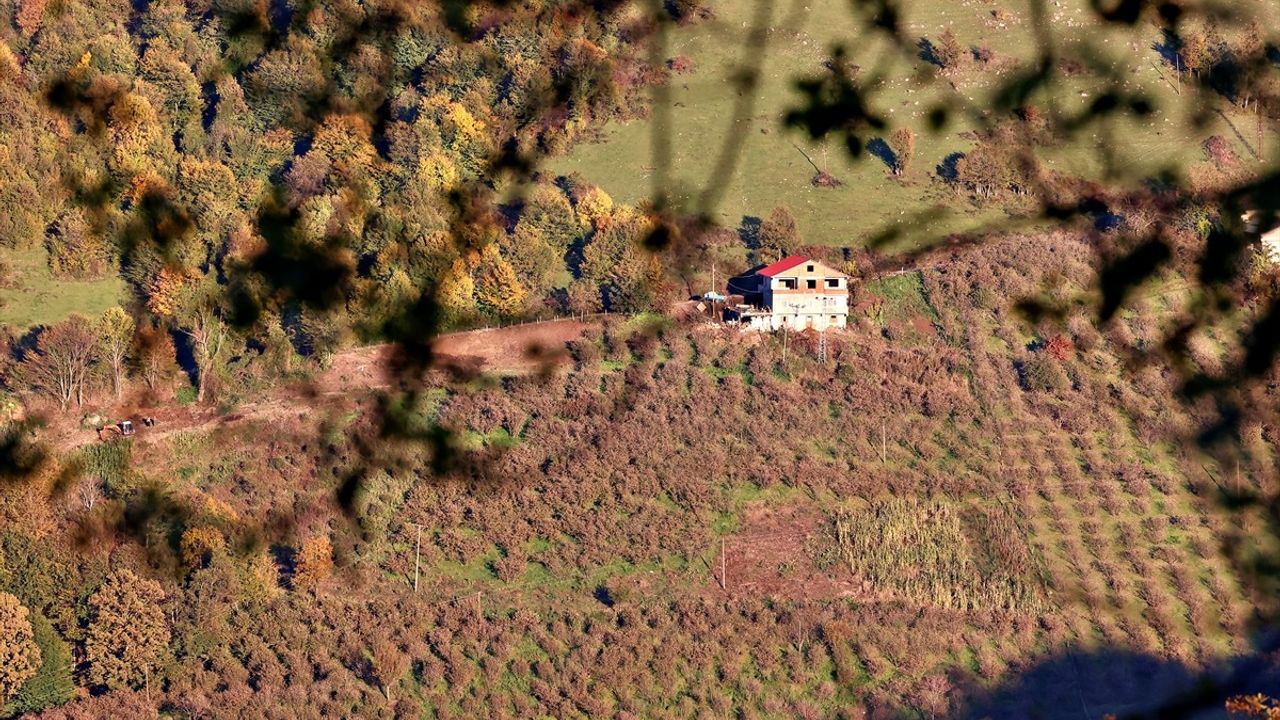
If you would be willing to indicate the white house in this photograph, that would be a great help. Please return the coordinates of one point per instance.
(1270, 239)
(797, 293)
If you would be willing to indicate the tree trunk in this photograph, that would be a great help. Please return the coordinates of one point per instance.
(200, 380)
(115, 378)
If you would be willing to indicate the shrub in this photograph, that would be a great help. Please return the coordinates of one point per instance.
(1044, 374)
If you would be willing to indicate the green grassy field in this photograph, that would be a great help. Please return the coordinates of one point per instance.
(770, 169)
(31, 296)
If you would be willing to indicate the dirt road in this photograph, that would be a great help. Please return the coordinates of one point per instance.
(515, 350)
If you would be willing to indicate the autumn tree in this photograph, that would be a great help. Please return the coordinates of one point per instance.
(949, 52)
(984, 170)
(778, 236)
(583, 297)
(1195, 52)
(455, 293)
(19, 655)
(498, 289)
(314, 562)
(1060, 348)
(388, 662)
(199, 545)
(199, 317)
(903, 143)
(535, 261)
(115, 330)
(1254, 707)
(30, 16)
(76, 250)
(593, 207)
(62, 359)
(128, 633)
(156, 355)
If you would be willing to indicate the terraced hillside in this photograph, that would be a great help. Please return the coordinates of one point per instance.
(570, 560)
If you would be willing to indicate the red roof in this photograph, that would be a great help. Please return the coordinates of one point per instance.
(782, 265)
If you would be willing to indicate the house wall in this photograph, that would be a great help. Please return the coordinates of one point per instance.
(1271, 245)
(778, 321)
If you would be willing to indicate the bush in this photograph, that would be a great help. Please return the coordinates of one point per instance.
(186, 395)
(1043, 373)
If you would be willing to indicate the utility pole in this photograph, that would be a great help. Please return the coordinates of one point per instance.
(1257, 110)
(724, 580)
(713, 290)
(417, 557)
(884, 443)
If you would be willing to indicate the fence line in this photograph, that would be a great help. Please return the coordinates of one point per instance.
(579, 317)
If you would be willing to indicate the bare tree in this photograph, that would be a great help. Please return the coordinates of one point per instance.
(89, 492)
(62, 359)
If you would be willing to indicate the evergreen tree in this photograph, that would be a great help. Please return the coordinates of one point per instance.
(52, 683)
(76, 250)
(548, 210)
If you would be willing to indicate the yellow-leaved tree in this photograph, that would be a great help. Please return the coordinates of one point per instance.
(498, 290)
(314, 563)
(128, 633)
(115, 332)
(19, 654)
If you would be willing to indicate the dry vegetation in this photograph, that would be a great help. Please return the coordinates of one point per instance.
(570, 530)
(935, 554)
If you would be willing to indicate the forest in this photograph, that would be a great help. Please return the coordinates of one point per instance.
(1037, 474)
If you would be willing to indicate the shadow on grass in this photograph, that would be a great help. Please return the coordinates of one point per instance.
(1122, 683)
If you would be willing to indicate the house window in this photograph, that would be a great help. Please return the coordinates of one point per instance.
(833, 282)
(787, 284)
(811, 284)
(808, 268)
